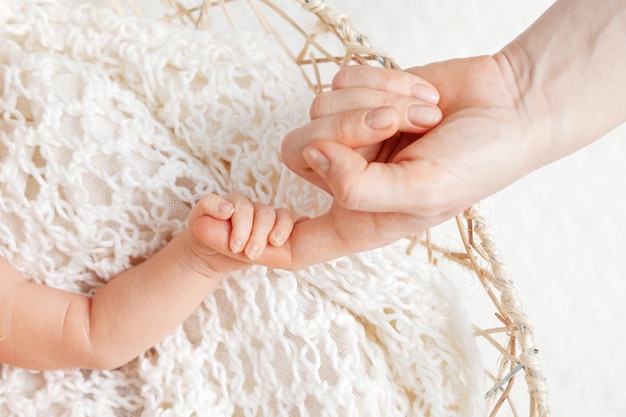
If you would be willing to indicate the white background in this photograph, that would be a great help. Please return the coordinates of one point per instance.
(561, 229)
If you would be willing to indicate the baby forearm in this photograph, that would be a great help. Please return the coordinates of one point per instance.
(569, 67)
(144, 304)
(46, 328)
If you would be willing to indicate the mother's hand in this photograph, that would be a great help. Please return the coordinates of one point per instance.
(484, 142)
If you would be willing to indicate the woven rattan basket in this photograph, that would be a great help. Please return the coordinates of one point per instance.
(321, 40)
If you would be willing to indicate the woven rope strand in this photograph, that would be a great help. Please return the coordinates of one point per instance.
(355, 42)
(514, 310)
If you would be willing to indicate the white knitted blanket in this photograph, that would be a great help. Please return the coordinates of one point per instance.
(110, 128)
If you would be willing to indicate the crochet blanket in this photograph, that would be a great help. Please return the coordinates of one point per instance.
(111, 127)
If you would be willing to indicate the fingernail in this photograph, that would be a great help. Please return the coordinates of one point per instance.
(236, 246)
(277, 239)
(424, 115)
(252, 251)
(225, 208)
(380, 119)
(317, 160)
(425, 93)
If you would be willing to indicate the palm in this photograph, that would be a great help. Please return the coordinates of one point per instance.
(480, 146)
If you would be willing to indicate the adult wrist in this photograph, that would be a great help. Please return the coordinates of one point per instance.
(568, 68)
(530, 102)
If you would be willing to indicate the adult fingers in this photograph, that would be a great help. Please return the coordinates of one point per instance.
(383, 79)
(416, 116)
(356, 129)
(371, 186)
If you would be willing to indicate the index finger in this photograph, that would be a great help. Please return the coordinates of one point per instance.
(384, 79)
(356, 129)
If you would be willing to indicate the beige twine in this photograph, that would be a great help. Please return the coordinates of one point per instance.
(512, 307)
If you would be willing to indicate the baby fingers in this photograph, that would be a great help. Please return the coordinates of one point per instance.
(282, 228)
(270, 226)
(212, 205)
(242, 220)
(254, 225)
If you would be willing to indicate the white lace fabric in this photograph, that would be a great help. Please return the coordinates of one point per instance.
(111, 127)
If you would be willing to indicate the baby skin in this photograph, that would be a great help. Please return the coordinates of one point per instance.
(45, 328)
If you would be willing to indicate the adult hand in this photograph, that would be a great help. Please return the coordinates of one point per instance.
(484, 142)
(553, 90)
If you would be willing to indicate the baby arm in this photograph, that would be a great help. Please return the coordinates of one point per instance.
(46, 328)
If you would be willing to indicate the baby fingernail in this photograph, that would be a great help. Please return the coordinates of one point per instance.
(425, 93)
(380, 119)
(225, 208)
(236, 246)
(252, 251)
(424, 115)
(277, 239)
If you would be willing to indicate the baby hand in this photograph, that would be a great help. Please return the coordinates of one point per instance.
(248, 227)
(254, 225)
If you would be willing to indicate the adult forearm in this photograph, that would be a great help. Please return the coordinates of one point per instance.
(568, 68)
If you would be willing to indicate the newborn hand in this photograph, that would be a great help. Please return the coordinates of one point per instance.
(246, 227)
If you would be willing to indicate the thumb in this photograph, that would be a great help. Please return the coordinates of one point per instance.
(358, 184)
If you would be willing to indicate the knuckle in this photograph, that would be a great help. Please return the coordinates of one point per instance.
(283, 213)
(342, 78)
(344, 126)
(204, 205)
(287, 149)
(347, 127)
(264, 212)
(388, 80)
(349, 196)
(320, 105)
(244, 208)
(206, 201)
(431, 203)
